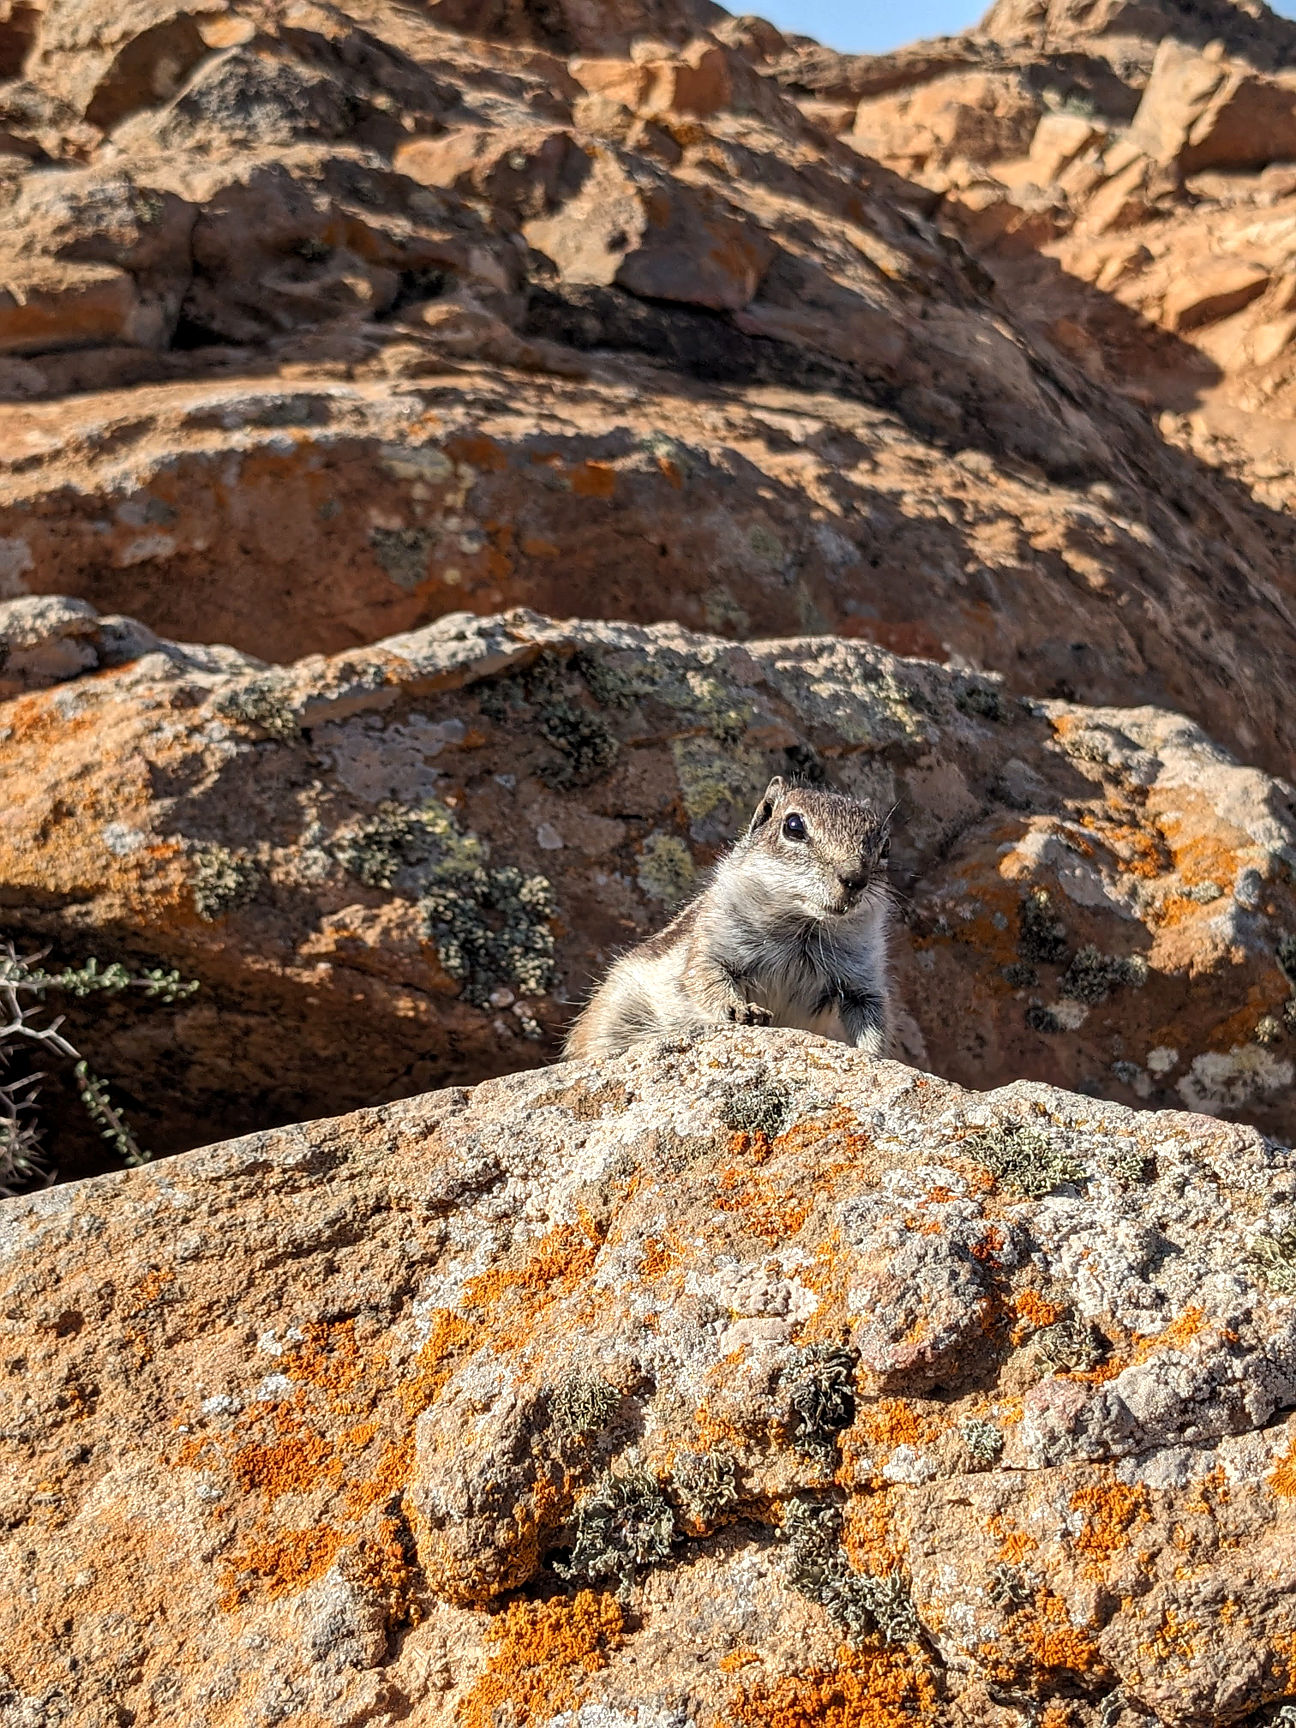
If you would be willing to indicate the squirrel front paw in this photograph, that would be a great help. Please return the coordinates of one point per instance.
(748, 1014)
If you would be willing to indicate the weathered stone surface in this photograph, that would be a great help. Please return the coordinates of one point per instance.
(404, 866)
(406, 1398)
(978, 115)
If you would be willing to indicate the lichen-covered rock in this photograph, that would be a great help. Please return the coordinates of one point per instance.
(404, 866)
(567, 1399)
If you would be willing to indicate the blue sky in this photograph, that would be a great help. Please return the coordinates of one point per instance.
(873, 26)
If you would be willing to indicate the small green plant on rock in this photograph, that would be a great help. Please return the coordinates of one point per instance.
(1008, 1587)
(818, 1567)
(408, 846)
(1070, 1344)
(26, 1030)
(545, 697)
(262, 704)
(1092, 976)
(625, 1523)
(1042, 937)
(491, 928)
(759, 1109)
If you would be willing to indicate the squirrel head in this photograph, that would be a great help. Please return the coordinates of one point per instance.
(826, 852)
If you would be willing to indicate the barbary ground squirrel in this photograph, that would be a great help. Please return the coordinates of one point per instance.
(789, 930)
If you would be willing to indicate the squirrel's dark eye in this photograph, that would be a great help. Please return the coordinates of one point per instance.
(793, 828)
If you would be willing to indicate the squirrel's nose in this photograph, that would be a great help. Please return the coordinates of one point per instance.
(853, 882)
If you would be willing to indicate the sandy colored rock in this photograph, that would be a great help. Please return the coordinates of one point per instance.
(977, 115)
(404, 866)
(584, 1392)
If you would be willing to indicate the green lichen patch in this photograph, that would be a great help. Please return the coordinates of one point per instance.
(666, 869)
(221, 881)
(821, 1398)
(492, 928)
(610, 685)
(1073, 1344)
(625, 1522)
(404, 554)
(705, 1486)
(408, 847)
(1274, 1258)
(583, 1405)
(264, 704)
(983, 1441)
(981, 701)
(759, 1108)
(715, 782)
(1025, 1157)
(1008, 1587)
(817, 1566)
(547, 698)
(1042, 938)
(1092, 976)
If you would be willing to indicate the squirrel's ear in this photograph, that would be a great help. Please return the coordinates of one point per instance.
(765, 809)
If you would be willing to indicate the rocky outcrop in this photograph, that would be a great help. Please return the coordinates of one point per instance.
(1143, 229)
(403, 867)
(317, 328)
(748, 1381)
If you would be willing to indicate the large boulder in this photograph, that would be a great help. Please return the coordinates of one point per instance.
(1201, 111)
(404, 866)
(741, 1381)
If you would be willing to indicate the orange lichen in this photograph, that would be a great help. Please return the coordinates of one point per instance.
(327, 1357)
(1173, 1641)
(448, 1335)
(767, 1211)
(863, 1689)
(740, 1658)
(1034, 1311)
(384, 1565)
(1282, 1478)
(286, 1561)
(297, 1462)
(1172, 1337)
(895, 1422)
(542, 1653)
(660, 1254)
(869, 1536)
(151, 1286)
(561, 1260)
(1014, 1545)
(1043, 1631)
(1112, 1509)
(991, 1245)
